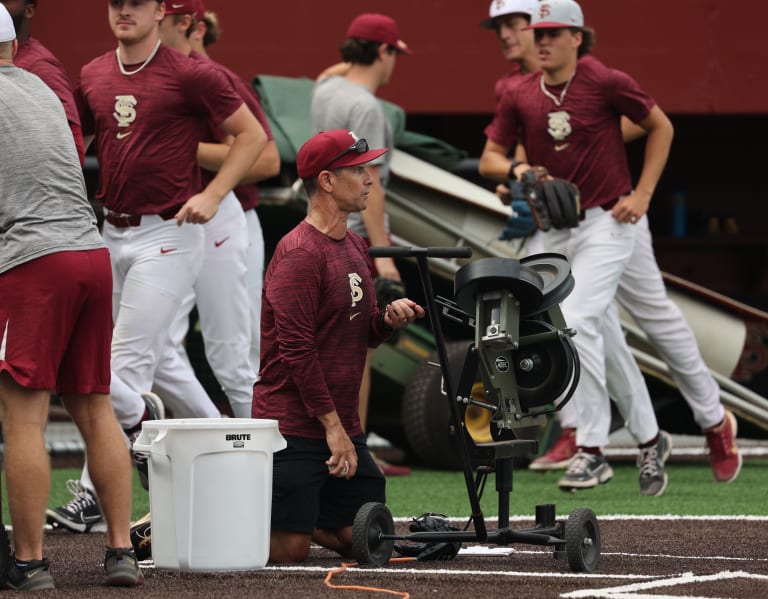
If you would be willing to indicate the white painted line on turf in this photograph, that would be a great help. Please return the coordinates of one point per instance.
(616, 517)
(633, 590)
(706, 558)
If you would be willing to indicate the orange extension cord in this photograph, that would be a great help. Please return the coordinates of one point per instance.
(354, 587)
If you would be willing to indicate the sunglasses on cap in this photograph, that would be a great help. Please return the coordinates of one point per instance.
(360, 146)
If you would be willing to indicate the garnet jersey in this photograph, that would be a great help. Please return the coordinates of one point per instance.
(148, 125)
(247, 194)
(579, 140)
(506, 80)
(36, 58)
(318, 318)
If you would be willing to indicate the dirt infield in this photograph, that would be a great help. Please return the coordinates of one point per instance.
(667, 557)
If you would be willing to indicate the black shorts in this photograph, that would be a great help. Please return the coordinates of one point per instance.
(305, 497)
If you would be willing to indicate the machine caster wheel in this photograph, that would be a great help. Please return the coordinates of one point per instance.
(371, 521)
(582, 540)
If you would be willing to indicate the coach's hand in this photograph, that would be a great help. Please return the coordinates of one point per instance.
(402, 312)
(343, 460)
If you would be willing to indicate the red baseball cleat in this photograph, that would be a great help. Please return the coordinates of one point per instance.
(560, 454)
(723, 453)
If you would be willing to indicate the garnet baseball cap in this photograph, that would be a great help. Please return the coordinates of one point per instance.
(333, 149)
(375, 27)
(180, 7)
(508, 7)
(7, 30)
(554, 14)
(199, 10)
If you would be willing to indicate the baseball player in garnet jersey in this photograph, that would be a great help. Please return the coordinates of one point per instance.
(641, 292)
(147, 106)
(319, 316)
(206, 32)
(224, 317)
(568, 117)
(34, 57)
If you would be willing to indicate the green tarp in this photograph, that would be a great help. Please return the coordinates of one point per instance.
(286, 101)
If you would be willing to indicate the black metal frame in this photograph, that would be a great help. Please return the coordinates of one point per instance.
(547, 531)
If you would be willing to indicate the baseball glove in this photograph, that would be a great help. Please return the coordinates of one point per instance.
(555, 203)
(431, 551)
(520, 223)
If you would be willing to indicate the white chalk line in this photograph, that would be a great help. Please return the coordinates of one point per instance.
(632, 590)
(618, 517)
(512, 551)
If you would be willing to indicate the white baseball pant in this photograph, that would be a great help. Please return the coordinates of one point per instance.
(154, 266)
(642, 293)
(225, 320)
(255, 278)
(598, 251)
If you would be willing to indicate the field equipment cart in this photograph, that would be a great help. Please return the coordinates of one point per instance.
(529, 368)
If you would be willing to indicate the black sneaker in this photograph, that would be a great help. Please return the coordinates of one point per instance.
(5, 555)
(141, 537)
(80, 514)
(155, 411)
(31, 576)
(585, 471)
(122, 568)
(650, 460)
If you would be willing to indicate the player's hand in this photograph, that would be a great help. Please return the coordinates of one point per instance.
(343, 460)
(386, 268)
(504, 194)
(630, 209)
(198, 209)
(402, 312)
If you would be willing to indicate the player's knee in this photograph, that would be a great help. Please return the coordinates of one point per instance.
(285, 548)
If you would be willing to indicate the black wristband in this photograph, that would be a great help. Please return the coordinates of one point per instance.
(511, 174)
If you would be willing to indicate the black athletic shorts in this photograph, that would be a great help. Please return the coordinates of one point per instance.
(305, 497)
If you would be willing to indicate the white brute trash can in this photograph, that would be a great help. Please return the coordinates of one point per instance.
(210, 491)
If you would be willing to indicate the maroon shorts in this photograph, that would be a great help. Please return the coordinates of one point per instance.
(56, 322)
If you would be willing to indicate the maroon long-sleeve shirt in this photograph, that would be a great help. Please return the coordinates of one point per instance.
(318, 317)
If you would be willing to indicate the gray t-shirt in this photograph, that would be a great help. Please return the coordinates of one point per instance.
(44, 207)
(341, 104)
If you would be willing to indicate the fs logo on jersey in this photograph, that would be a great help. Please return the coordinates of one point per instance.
(559, 125)
(354, 286)
(125, 110)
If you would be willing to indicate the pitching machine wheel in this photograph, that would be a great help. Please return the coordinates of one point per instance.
(544, 369)
(555, 270)
(582, 540)
(492, 274)
(371, 521)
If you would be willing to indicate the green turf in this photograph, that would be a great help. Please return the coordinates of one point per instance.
(691, 491)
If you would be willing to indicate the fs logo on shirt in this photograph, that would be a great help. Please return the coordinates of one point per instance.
(354, 286)
(559, 125)
(125, 110)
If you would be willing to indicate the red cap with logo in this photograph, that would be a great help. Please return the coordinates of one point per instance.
(375, 27)
(180, 7)
(333, 149)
